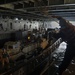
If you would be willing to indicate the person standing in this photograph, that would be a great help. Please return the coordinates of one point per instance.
(67, 33)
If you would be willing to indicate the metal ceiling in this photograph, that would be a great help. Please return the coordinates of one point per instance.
(12, 1)
(18, 11)
(14, 13)
(37, 9)
(60, 10)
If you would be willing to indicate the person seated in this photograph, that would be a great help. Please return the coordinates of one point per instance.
(5, 57)
(44, 43)
(28, 36)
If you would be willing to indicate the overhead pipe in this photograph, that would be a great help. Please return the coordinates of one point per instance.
(62, 15)
(62, 5)
(61, 10)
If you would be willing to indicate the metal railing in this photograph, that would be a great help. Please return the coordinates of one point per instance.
(26, 67)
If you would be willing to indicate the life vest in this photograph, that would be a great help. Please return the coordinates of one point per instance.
(44, 44)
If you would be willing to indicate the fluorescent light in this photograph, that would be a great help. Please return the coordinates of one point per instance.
(16, 18)
(21, 18)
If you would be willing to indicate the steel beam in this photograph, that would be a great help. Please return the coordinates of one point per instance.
(11, 1)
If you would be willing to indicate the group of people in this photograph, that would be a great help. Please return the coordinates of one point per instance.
(67, 33)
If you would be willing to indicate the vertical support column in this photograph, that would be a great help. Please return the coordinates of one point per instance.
(8, 25)
(48, 2)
